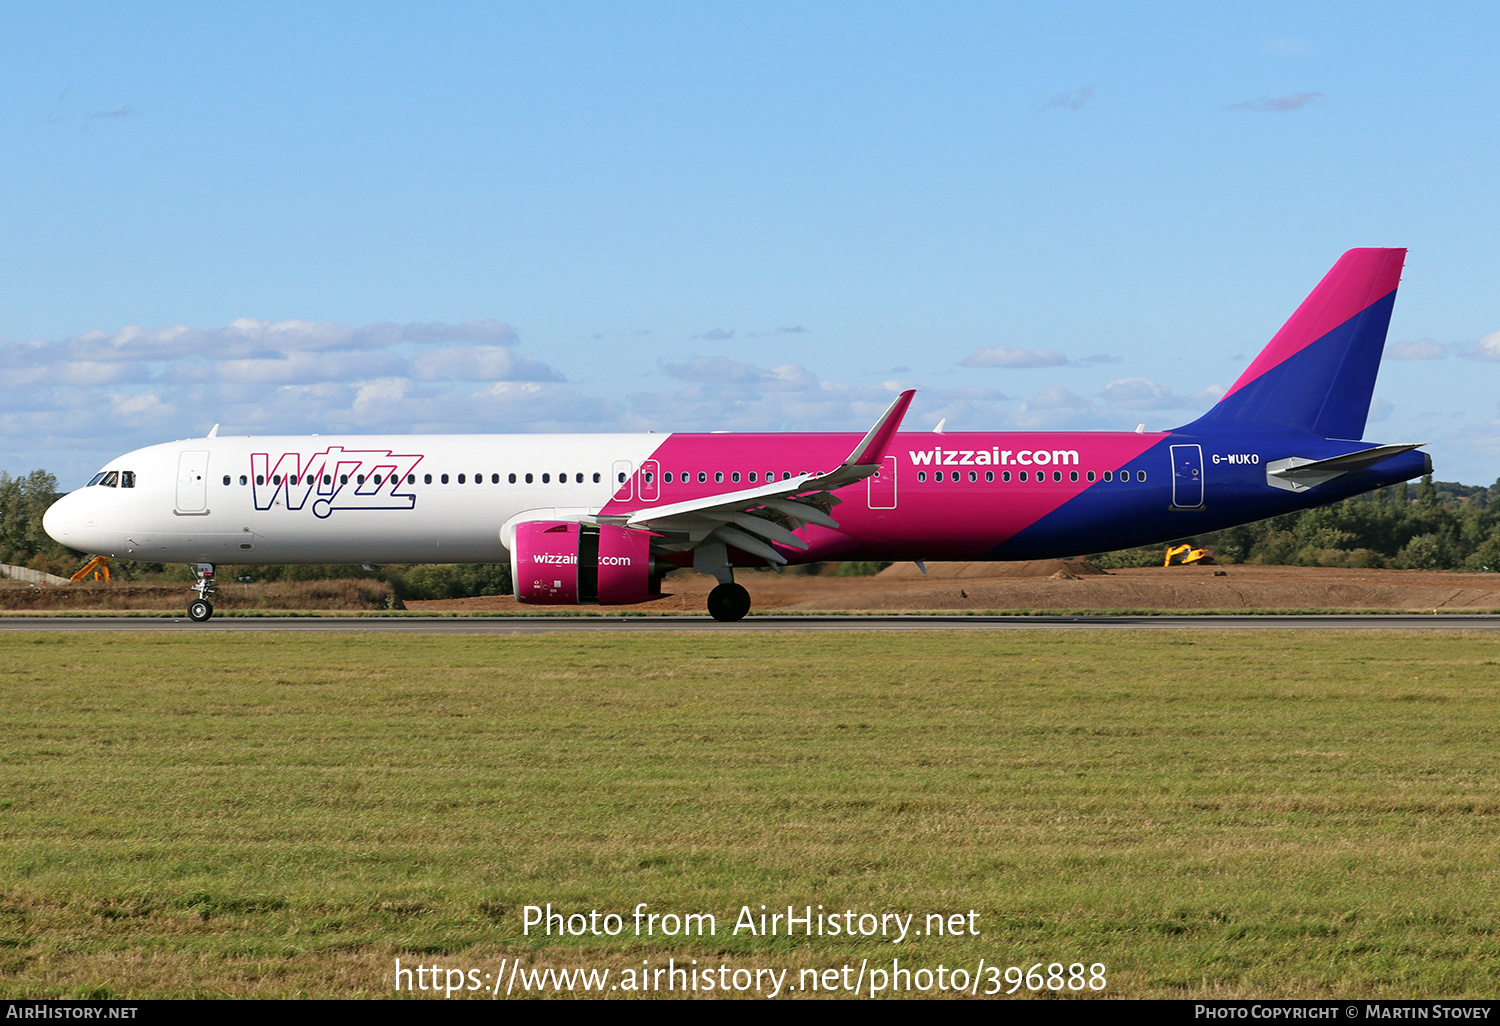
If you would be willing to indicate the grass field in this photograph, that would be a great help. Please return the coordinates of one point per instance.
(1237, 814)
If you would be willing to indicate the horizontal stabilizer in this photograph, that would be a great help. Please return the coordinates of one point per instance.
(1298, 474)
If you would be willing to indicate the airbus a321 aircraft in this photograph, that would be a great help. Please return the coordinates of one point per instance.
(600, 518)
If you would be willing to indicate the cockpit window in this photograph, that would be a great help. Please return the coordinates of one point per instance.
(95, 479)
(127, 479)
(111, 480)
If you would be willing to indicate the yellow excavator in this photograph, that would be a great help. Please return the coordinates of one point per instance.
(1190, 556)
(98, 566)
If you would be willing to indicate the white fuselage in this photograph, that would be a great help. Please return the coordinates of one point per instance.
(341, 499)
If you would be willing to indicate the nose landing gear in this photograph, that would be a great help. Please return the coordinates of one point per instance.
(200, 609)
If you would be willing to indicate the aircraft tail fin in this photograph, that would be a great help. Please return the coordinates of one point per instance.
(1318, 373)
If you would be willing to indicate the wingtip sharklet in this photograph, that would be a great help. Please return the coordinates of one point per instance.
(871, 449)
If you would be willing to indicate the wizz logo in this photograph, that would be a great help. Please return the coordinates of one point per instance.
(335, 478)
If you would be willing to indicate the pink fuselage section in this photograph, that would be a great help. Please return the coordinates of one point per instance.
(950, 496)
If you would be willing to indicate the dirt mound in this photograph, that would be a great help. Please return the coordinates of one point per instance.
(344, 595)
(1058, 585)
(952, 587)
(1070, 569)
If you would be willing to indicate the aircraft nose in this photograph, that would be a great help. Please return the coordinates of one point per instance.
(63, 521)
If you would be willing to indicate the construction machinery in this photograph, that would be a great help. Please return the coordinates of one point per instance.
(1189, 556)
(98, 567)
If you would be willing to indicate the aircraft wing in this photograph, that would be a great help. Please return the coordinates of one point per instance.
(751, 518)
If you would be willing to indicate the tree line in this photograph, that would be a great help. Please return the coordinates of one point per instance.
(1436, 525)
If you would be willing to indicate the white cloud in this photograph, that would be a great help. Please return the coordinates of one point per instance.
(142, 408)
(481, 363)
(1141, 394)
(1007, 356)
(1488, 347)
(1055, 408)
(303, 367)
(1277, 104)
(1070, 99)
(1421, 349)
(719, 370)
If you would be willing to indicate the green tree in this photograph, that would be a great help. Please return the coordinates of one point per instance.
(23, 502)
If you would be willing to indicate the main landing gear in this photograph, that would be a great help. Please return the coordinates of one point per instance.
(728, 601)
(200, 609)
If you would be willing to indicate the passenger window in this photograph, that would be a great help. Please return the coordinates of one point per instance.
(512, 479)
(667, 477)
(276, 479)
(226, 478)
(546, 479)
(528, 479)
(1072, 475)
(460, 479)
(1021, 476)
(1091, 475)
(973, 475)
(444, 479)
(702, 477)
(735, 477)
(260, 479)
(1140, 475)
(244, 480)
(1005, 476)
(1109, 475)
(719, 477)
(921, 475)
(989, 475)
(410, 479)
(578, 479)
(596, 477)
(752, 477)
(344, 479)
(427, 479)
(1057, 475)
(494, 479)
(327, 479)
(622, 477)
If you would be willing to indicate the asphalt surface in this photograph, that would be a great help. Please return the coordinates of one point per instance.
(552, 624)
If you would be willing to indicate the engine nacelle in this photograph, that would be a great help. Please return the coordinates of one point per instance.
(559, 562)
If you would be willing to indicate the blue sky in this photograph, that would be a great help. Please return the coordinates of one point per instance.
(516, 218)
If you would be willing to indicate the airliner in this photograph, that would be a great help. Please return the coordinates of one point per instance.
(600, 519)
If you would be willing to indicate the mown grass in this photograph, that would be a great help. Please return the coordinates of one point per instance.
(1257, 814)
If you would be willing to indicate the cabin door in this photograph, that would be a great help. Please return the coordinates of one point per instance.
(1187, 476)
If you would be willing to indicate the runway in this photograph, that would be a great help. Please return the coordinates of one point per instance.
(585, 624)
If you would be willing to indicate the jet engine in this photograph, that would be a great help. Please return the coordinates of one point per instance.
(558, 562)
